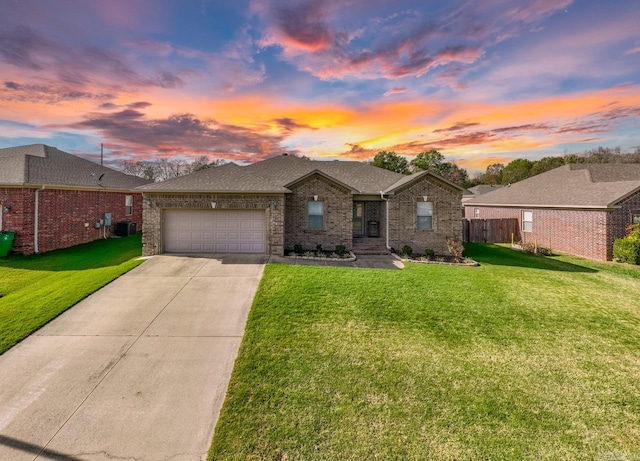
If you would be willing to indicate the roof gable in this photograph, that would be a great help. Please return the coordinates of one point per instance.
(324, 175)
(408, 181)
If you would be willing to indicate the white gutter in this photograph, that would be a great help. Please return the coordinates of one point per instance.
(387, 220)
(35, 221)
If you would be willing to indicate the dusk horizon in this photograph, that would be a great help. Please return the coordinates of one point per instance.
(484, 82)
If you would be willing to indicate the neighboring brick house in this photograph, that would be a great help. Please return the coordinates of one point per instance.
(52, 199)
(578, 209)
(273, 205)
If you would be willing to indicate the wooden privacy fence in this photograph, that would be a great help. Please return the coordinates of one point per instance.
(490, 230)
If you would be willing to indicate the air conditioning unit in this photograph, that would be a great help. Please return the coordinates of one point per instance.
(125, 228)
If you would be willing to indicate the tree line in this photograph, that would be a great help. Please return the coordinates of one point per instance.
(498, 173)
(163, 169)
(432, 160)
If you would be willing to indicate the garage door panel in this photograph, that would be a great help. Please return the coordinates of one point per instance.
(214, 231)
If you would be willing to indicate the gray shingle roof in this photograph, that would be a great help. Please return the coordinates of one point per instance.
(274, 174)
(361, 177)
(226, 178)
(39, 164)
(569, 186)
(484, 189)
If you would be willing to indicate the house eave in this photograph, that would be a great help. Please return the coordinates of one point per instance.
(225, 192)
(609, 207)
(73, 188)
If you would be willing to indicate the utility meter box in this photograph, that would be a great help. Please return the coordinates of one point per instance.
(106, 219)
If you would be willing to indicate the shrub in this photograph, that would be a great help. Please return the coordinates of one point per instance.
(298, 248)
(293, 254)
(341, 249)
(308, 254)
(319, 248)
(406, 251)
(633, 230)
(429, 253)
(627, 250)
(321, 254)
(456, 249)
(335, 256)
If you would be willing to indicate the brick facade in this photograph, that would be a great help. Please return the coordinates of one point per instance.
(287, 214)
(619, 219)
(447, 221)
(156, 203)
(338, 220)
(586, 233)
(65, 217)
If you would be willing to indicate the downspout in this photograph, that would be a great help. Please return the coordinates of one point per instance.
(36, 250)
(386, 220)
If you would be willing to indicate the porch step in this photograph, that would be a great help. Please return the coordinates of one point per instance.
(370, 246)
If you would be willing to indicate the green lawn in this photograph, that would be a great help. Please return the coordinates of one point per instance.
(521, 358)
(35, 289)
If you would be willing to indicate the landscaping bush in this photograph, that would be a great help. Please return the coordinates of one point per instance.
(406, 251)
(429, 253)
(456, 249)
(341, 249)
(297, 248)
(627, 250)
(319, 248)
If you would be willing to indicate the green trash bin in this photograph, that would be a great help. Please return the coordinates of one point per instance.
(6, 241)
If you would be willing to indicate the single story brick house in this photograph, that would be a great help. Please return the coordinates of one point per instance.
(52, 199)
(578, 209)
(272, 205)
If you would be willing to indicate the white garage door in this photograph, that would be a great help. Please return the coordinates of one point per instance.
(214, 231)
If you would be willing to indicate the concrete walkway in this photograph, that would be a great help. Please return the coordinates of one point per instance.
(138, 370)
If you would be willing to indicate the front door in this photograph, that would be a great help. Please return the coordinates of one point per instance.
(358, 219)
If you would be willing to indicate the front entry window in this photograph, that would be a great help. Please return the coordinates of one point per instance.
(358, 219)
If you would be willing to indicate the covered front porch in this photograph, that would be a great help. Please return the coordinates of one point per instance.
(369, 227)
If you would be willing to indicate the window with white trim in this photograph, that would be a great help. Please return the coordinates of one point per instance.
(527, 221)
(476, 213)
(128, 205)
(424, 213)
(635, 217)
(316, 215)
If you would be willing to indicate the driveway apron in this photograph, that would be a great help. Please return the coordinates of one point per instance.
(138, 370)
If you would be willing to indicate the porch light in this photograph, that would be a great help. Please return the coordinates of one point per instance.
(213, 204)
(315, 198)
(425, 198)
(6, 208)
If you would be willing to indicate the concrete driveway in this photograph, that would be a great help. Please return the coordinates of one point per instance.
(138, 370)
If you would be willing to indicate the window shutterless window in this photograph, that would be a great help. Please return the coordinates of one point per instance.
(635, 217)
(316, 215)
(527, 221)
(476, 212)
(128, 205)
(425, 215)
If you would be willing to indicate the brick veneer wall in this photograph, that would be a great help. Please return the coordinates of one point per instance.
(620, 218)
(578, 232)
(338, 218)
(447, 220)
(62, 215)
(155, 203)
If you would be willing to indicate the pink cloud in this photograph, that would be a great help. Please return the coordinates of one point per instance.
(326, 39)
(395, 90)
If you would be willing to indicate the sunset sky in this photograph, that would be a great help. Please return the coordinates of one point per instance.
(482, 81)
